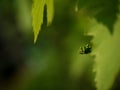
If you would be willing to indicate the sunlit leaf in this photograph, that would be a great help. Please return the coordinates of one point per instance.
(50, 10)
(37, 15)
(106, 50)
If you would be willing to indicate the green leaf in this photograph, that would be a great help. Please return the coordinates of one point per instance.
(107, 52)
(103, 10)
(37, 15)
(50, 10)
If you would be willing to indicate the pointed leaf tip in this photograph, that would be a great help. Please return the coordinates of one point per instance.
(37, 15)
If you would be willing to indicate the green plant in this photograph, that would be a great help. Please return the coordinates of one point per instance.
(97, 18)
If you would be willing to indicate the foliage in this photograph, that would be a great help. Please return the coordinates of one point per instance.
(77, 49)
(102, 22)
(104, 11)
(37, 15)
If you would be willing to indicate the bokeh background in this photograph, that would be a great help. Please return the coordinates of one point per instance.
(54, 62)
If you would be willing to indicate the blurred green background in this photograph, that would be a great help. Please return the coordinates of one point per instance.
(54, 62)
